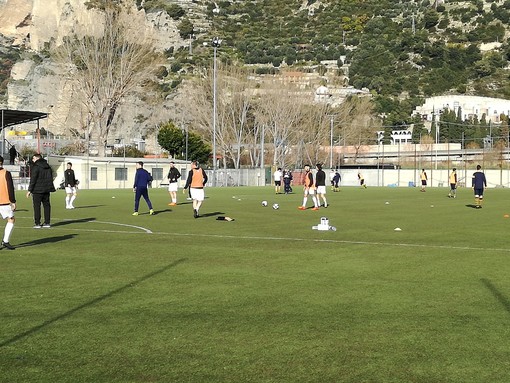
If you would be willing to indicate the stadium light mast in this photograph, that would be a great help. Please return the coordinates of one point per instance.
(216, 42)
(331, 121)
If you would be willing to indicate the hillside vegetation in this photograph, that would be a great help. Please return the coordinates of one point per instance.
(394, 48)
(401, 50)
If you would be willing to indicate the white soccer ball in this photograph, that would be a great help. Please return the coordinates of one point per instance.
(276, 206)
(264, 203)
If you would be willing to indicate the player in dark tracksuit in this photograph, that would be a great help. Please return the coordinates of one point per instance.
(287, 179)
(140, 187)
(336, 180)
(478, 183)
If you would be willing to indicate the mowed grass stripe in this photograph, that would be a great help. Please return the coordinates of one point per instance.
(264, 298)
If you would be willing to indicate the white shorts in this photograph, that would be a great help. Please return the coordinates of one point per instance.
(197, 194)
(309, 191)
(321, 189)
(71, 190)
(173, 186)
(6, 211)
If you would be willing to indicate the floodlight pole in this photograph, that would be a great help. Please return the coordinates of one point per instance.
(216, 42)
(331, 143)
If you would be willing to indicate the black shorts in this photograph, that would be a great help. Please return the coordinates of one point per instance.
(424, 182)
(453, 186)
(277, 183)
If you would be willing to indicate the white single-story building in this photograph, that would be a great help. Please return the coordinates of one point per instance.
(469, 106)
(114, 172)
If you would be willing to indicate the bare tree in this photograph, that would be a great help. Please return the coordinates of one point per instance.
(109, 63)
(233, 106)
(359, 124)
(315, 133)
(280, 113)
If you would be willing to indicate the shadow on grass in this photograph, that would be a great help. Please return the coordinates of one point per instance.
(471, 206)
(211, 214)
(69, 221)
(92, 302)
(505, 302)
(86, 207)
(41, 241)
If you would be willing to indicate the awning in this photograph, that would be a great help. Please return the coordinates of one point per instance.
(10, 117)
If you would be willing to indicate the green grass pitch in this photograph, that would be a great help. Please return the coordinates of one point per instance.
(103, 296)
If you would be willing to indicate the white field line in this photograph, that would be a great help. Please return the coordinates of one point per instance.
(339, 241)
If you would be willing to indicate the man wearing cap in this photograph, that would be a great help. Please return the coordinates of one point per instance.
(453, 184)
(196, 182)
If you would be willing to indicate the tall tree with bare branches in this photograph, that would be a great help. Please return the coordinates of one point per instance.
(233, 105)
(280, 113)
(358, 123)
(315, 133)
(109, 62)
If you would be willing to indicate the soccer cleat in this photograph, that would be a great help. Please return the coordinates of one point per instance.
(195, 213)
(37, 226)
(326, 205)
(302, 208)
(46, 225)
(315, 208)
(172, 204)
(135, 213)
(151, 212)
(7, 246)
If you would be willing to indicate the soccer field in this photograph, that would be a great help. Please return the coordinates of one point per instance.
(104, 296)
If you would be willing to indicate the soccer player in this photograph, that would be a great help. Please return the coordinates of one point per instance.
(140, 187)
(196, 182)
(277, 180)
(337, 180)
(423, 178)
(320, 185)
(287, 180)
(361, 180)
(332, 179)
(309, 189)
(173, 176)
(71, 186)
(453, 184)
(478, 183)
(7, 204)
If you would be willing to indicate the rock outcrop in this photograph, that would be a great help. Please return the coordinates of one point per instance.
(37, 82)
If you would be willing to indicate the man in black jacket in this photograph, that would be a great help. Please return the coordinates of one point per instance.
(173, 177)
(40, 187)
(71, 186)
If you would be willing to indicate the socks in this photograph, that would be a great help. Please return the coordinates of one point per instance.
(7, 231)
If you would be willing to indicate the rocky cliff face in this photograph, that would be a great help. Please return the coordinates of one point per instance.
(37, 82)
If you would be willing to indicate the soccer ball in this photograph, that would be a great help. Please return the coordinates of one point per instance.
(276, 206)
(264, 203)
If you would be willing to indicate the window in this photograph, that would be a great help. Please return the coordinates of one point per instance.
(157, 173)
(120, 174)
(93, 174)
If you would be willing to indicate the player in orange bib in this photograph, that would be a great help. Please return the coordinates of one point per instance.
(309, 189)
(197, 178)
